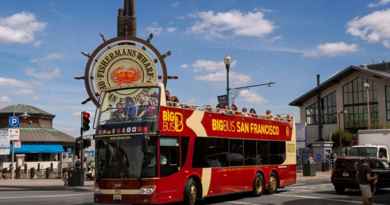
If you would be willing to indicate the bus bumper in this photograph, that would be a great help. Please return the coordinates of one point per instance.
(122, 199)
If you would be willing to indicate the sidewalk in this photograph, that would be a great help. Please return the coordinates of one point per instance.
(321, 177)
(52, 184)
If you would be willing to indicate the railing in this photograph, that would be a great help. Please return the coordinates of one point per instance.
(209, 108)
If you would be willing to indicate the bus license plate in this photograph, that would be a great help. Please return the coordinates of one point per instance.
(117, 195)
(345, 174)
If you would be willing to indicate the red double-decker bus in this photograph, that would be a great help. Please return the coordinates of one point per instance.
(149, 151)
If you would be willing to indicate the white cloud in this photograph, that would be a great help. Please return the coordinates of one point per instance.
(25, 91)
(210, 65)
(184, 66)
(5, 100)
(251, 97)
(171, 29)
(20, 28)
(379, 3)
(214, 71)
(235, 78)
(332, 49)
(48, 57)
(374, 27)
(47, 74)
(155, 29)
(232, 23)
(11, 82)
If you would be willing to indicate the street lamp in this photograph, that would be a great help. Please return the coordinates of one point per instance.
(227, 60)
(367, 87)
(342, 112)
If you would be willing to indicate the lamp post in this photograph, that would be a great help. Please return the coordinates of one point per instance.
(342, 112)
(367, 86)
(227, 61)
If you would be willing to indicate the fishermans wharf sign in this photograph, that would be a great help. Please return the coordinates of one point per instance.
(124, 66)
(120, 63)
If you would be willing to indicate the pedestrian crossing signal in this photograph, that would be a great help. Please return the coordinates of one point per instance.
(85, 120)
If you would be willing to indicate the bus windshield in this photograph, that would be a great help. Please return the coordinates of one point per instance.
(129, 105)
(126, 157)
(363, 152)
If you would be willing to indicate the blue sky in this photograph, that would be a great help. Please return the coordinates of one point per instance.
(287, 42)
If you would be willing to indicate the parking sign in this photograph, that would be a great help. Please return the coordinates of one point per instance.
(13, 122)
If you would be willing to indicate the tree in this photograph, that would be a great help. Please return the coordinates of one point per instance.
(342, 136)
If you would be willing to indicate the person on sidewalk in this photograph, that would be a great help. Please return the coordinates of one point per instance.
(365, 180)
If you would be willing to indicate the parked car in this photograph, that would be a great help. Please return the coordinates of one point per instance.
(345, 170)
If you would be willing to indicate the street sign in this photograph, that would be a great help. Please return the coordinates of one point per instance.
(14, 134)
(17, 144)
(4, 142)
(222, 101)
(13, 122)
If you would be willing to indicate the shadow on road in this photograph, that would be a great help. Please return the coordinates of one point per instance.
(15, 188)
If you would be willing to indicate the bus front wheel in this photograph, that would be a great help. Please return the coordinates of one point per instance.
(191, 193)
(258, 185)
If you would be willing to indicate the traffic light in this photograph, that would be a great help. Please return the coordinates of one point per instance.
(85, 120)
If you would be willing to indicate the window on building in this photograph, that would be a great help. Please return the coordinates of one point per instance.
(329, 110)
(387, 90)
(355, 104)
(311, 114)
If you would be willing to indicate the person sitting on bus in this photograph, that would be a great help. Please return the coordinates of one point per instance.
(245, 111)
(268, 114)
(130, 108)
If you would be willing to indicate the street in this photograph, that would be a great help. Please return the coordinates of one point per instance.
(310, 190)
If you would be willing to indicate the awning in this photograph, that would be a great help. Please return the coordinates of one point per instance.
(39, 148)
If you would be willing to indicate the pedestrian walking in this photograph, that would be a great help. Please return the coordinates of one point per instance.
(366, 178)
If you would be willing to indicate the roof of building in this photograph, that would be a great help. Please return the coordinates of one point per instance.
(43, 135)
(21, 108)
(381, 70)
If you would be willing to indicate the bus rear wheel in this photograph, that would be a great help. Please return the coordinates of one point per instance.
(258, 185)
(273, 184)
(191, 193)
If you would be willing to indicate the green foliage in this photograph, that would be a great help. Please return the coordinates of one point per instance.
(346, 138)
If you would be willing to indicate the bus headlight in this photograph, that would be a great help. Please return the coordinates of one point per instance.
(97, 189)
(148, 190)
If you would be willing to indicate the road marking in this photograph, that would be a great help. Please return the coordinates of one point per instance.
(44, 196)
(241, 203)
(316, 197)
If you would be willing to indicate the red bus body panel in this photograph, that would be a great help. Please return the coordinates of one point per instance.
(186, 123)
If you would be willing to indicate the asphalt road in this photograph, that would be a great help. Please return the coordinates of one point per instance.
(300, 194)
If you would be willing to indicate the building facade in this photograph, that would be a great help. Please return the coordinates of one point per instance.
(42, 146)
(348, 100)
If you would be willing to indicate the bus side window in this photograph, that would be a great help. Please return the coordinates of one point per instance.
(236, 153)
(250, 153)
(169, 156)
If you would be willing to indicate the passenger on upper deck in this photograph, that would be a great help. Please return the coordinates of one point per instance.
(268, 114)
(245, 111)
(252, 112)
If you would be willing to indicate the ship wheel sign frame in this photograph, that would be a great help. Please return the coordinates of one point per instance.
(123, 61)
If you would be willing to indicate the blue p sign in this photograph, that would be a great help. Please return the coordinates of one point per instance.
(13, 122)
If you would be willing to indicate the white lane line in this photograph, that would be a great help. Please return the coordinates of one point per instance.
(241, 203)
(44, 196)
(316, 197)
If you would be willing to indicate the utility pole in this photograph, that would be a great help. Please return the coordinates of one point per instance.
(319, 109)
